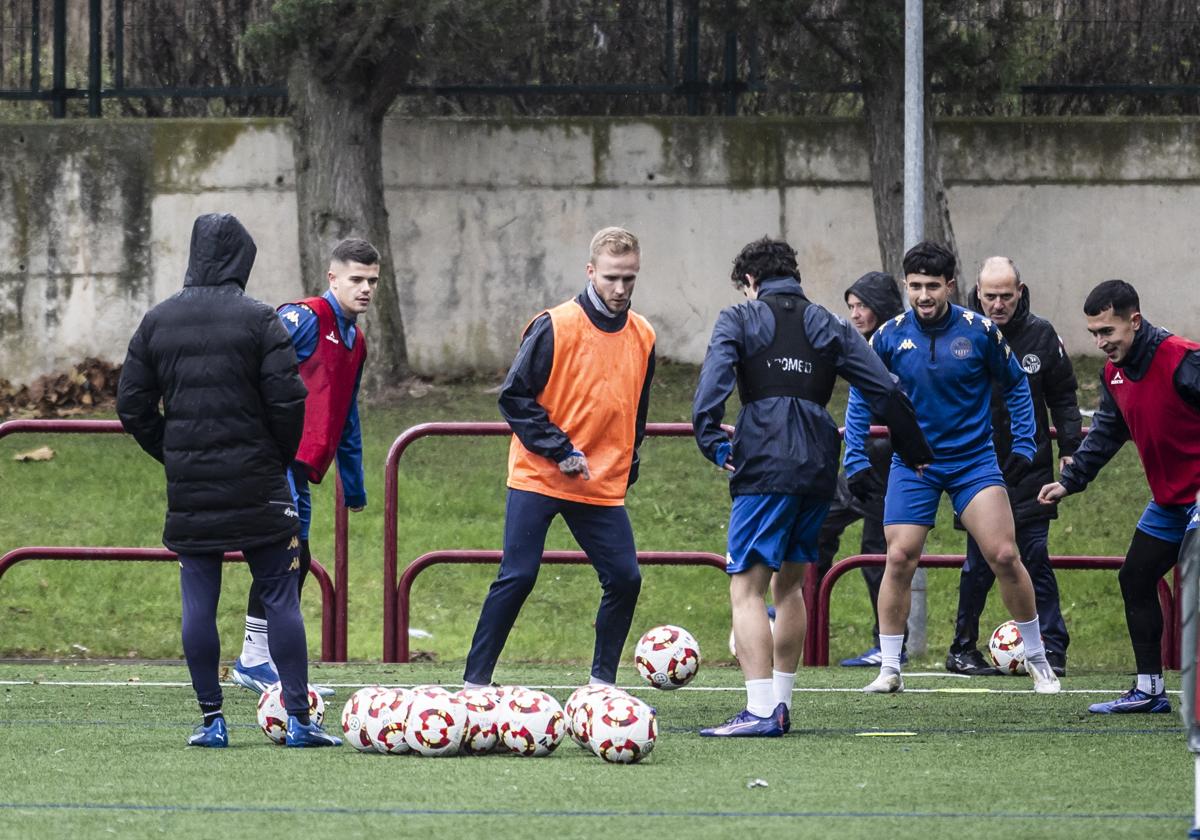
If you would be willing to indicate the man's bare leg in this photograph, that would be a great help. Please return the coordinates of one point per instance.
(905, 543)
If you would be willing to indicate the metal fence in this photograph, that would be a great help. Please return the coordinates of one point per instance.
(635, 57)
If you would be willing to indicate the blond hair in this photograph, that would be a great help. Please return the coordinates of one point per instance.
(615, 241)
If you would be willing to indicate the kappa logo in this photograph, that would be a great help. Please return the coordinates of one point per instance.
(899, 319)
(907, 344)
(1116, 380)
(295, 566)
(332, 336)
(295, 543)
(293, 316)
(987, 325)
(1031, 364)
(969, 315)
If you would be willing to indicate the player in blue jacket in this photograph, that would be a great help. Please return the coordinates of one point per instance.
(783, 355)
(947, 358)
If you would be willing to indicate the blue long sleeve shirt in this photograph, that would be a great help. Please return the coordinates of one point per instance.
(301, 324)
(947, 370)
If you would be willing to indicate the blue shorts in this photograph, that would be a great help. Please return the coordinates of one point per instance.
(1168, 522)
(913, 499)
(772, 528)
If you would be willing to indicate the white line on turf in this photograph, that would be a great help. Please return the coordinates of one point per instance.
(634, 688)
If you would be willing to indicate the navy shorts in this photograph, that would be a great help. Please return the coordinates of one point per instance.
(913, 499)
(773, 528)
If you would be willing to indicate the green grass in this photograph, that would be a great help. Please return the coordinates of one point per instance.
(96, 760)
(102, 490)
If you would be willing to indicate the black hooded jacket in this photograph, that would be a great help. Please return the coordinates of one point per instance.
(232, 400)
(1052, 386)
(879, 292)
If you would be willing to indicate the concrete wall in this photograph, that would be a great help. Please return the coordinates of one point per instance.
(491, 219)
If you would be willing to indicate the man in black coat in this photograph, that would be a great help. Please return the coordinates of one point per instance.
(232, 413)
(1001, 296)
(870, 300)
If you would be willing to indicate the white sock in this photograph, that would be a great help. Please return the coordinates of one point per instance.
(1151, 683)
(254, 645)
(598, 681)
(467, 685)
(889, 650)
(1031, 635)
(759, 697)
(782, 685)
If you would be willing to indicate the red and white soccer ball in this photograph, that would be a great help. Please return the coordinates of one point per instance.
(273, 717)
(482, 733)
(436, 722)
(578, 710)
(354, 718)
(623, 730)
(1006, 648)
(532, 723)
(385, 719)
(667, 656)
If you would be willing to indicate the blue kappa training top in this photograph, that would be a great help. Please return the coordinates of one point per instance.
(948, 369)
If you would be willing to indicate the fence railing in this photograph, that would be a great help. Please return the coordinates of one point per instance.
(1170, 648)
(334, 592)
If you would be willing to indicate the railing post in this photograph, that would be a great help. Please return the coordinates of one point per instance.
(58, 104)
(95, 22)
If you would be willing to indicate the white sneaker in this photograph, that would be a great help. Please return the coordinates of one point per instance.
(1045, 681)
(886, 683)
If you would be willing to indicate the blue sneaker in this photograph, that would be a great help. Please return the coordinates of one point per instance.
(309, 735)
(216, 734)
(783, 717)
(746, 725)
(1133, 701)
(870, 656)
(257, 678)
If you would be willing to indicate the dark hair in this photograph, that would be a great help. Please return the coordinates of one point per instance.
(1116, 295)
(762, 259)
(355, 250)
(930, 259)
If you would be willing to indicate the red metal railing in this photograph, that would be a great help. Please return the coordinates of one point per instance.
(557, 558)
(334, 602)
(20, 555)
(391, 492)
(1170, 649)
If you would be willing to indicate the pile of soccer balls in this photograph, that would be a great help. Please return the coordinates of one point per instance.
(432, 721)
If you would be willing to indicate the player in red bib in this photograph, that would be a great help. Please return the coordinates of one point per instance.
(331, 349)
(1150, 394)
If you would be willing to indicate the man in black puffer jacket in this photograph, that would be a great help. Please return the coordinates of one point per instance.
(231, 419)
(870, 300)
(1001, 296)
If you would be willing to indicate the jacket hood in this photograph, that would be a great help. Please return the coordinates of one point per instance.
(221, 250)
(1018, 319)
(878, 290)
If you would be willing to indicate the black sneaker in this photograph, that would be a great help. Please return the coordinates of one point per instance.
(971, 663)
(1058, 662)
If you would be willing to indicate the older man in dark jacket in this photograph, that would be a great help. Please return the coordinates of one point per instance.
(232, 414)
(1001, 296)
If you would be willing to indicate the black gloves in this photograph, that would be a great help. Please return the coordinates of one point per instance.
(865, 485)
(1016, 467)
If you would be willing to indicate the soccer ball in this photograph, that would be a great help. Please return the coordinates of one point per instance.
(532, 723)
(436, 722)
(578, 710)
(1006, 648)
(623, 730)
(273, 717)
(482, 733)
(384, 720)
(354, 718)
(667, 656)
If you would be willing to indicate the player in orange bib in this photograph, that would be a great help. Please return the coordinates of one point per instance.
(576, 398)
